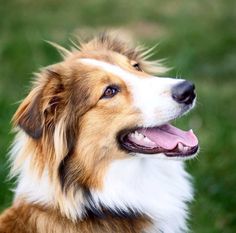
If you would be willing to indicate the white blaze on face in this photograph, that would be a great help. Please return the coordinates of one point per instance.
(151, 95)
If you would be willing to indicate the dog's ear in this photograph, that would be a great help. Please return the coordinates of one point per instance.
(28, 116)
(40, 105)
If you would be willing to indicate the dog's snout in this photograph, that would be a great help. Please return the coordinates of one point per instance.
(183, 92)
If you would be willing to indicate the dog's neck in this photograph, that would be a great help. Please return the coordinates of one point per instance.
(156, 188)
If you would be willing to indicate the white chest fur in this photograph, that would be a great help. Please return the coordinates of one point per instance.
(159, 188)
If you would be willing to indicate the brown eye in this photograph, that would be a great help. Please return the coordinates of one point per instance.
(137, 67)
(110, 91)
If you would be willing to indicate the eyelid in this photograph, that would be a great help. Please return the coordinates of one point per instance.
(115, 86)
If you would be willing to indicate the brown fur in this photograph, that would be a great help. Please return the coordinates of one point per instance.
(25, 218)
(63, 116)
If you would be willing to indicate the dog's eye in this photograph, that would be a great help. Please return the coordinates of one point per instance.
(110, 91)
(137, 66)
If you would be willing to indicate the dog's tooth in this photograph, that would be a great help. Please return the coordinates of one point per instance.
(148, 141)
(137, 135)
(141, 136)
(132, 135)
(180, 146)
(185, 149)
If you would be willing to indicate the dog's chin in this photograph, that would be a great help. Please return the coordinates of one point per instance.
(164, 141)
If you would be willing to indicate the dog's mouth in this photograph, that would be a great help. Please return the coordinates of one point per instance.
(166, 139)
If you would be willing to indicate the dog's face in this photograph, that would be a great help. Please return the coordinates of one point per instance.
(101, 105)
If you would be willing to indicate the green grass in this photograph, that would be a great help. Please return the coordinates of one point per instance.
(197, 37)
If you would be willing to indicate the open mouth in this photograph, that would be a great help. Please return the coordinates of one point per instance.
(167, 139)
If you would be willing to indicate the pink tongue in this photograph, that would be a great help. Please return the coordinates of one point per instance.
(168, 136)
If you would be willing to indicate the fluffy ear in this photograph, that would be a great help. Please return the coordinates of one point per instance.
(28, 116)
(39, 105)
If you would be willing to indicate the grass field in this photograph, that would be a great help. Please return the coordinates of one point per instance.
(198, 38)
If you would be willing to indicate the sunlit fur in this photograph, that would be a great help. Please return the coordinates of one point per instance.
(72, 175)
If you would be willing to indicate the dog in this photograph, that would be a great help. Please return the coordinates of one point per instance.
(95, 151)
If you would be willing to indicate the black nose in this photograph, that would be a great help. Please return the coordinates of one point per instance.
(184, 92)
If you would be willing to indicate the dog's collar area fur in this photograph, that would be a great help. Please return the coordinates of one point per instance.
(157, 189)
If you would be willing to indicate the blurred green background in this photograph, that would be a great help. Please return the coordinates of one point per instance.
(198, 38)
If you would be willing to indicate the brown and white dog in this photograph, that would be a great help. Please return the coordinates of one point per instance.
(94, 150)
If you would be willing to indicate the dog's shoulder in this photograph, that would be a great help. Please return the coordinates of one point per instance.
(30, 218)
(15, 220)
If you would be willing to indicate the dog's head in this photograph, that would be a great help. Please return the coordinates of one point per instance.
(99, 105)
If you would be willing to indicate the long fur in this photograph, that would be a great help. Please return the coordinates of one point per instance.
(72, 176)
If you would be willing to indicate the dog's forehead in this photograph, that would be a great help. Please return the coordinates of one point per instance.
(123, 72)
